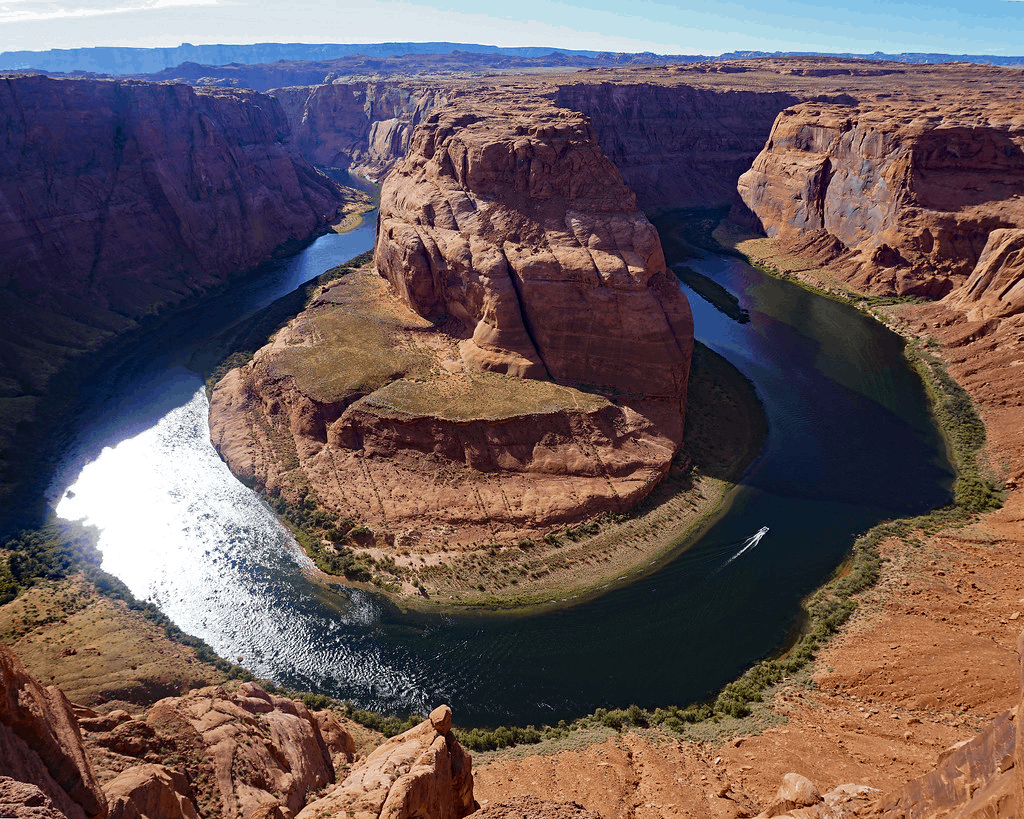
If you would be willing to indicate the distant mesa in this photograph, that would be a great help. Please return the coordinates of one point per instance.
(119, 61)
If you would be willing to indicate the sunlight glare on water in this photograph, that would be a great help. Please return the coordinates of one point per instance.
(182, 532)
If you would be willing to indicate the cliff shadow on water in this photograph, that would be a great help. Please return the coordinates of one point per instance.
(688, 233)
(103, 395)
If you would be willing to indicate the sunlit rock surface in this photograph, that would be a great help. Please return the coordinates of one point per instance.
(538, 349)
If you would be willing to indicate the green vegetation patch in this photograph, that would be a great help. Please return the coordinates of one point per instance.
(60, 549)
(964, 432)
(236, 346)
(483, 396)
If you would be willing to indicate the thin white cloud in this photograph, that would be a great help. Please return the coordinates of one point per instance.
(19, 11)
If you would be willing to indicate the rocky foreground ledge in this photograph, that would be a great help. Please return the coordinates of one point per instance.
(527, 367)
(235, 754)
(247, 754)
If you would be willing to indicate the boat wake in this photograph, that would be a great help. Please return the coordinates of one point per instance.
(715, 558)
(749, 543)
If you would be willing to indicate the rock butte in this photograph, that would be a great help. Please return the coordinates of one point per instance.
(679, 135)
(518, 239)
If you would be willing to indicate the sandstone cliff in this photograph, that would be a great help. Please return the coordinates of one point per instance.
(677, 146)
(900, 198)
(128, 194)
(995, 287)
(118, 199)
(363, 127)
(526, 233)
(515, 238)
(40, 743)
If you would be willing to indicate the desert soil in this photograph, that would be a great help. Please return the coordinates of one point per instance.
(97, 650)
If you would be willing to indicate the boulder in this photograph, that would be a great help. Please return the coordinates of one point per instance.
(422, 774)
(21, 800)
(150, 792)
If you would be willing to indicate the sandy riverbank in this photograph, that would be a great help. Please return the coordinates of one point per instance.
(725, 429)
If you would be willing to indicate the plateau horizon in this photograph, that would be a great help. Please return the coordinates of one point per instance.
(987, 27)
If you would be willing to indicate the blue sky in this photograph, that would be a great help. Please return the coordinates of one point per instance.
(960, 26)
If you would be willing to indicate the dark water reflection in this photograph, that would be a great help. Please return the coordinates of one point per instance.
(850, 443)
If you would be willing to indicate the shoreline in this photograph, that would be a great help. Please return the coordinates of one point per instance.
(732, 727)
(696, 492)
(841, 615)
(353, 218)
(37, 454)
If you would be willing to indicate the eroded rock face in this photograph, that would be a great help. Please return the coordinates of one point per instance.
(538, 351)
(520, 227)
(40, 743)
(977, 777)
(421, 774)
(21, 800)
(117, 200)
(150, 792)
(241, 752)
(362, 127)
(127, 194)
(677, 146)
(214, 753)
(905, 197)
(995, 288)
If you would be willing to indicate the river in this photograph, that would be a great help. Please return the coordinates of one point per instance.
(850, 443)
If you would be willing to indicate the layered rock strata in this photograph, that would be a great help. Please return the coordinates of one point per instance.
(995, 287)
(363, 127)
(900, 199)
(128, 194)
(538, 350)
(522, 230)
(677, 146)
(118, 199)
